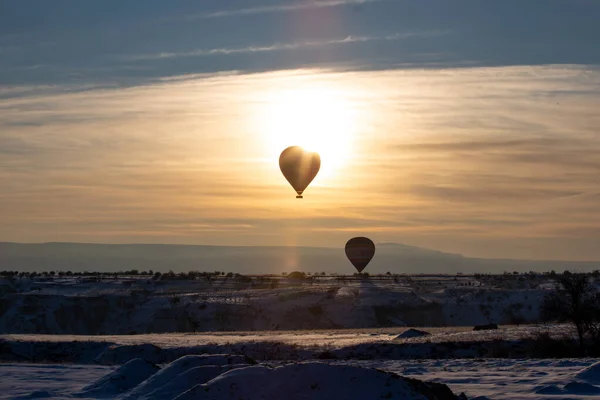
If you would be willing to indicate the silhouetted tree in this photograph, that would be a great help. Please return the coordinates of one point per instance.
(192, 275)
(574, 300)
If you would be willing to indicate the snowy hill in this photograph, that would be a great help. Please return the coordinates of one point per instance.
(68, 306)
(396, 258)
(296, 365)
(498, 379)
(183, 379)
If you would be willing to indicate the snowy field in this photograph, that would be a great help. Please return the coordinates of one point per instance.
(140, 306)
(494, 379)
(371, 362)
(334, 340)
(391, 343)
(338, 338)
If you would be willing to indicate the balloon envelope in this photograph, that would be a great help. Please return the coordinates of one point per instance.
(299, 167)
(360, 251)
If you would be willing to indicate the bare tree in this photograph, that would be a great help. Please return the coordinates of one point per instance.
(574, 300)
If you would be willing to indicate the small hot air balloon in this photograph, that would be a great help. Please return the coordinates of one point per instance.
(299, 167)
(360, 251)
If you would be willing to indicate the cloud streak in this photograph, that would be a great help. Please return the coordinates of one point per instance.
(282, 46)
(281, 8)
(76, 47)
(551, 152)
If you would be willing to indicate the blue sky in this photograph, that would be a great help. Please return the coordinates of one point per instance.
(465, 126)
(125, 42)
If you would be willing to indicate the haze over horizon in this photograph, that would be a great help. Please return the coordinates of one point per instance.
(339, 247)
(468, 127)
(391, 257)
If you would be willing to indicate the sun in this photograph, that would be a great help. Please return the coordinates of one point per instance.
(316, 118)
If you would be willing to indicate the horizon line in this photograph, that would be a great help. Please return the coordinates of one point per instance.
(306, 247)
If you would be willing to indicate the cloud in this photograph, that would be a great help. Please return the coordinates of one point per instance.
(77, 47)
(281, 8)
(552, 152)
(281, 46)
(477, 195)
(463, 160)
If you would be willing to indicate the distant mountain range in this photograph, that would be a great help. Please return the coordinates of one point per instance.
(392, 257)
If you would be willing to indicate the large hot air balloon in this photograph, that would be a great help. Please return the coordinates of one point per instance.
(299, 167)
(360, 251)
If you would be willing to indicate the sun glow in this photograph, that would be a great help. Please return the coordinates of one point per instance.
(318, 119)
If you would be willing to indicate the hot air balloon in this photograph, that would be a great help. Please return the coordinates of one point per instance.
(299, 167)
(360, 251)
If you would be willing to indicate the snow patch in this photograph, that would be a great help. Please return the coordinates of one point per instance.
(171, 372)
(185, 381)
(121, 354)
(550, 389)
(38, 394)
(315, 381)
(581, 388)
(122, 379)
(411, 333)
(590, 374)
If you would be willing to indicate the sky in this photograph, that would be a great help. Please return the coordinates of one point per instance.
(467, 126)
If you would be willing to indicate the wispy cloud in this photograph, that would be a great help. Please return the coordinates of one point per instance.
(477, 161)
(281, 8)
(76, 47)
(283, 46)
(546, 152)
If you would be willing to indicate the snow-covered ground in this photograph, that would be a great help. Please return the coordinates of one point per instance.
(309, 339)
(68, 306)
(391, 343)
(316, 365)
(494, 379)
(334, 340)
(502, 378)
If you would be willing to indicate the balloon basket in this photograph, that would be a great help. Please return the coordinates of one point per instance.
(299, 197)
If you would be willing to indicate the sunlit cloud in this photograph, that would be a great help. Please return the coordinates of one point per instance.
(500, 162)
